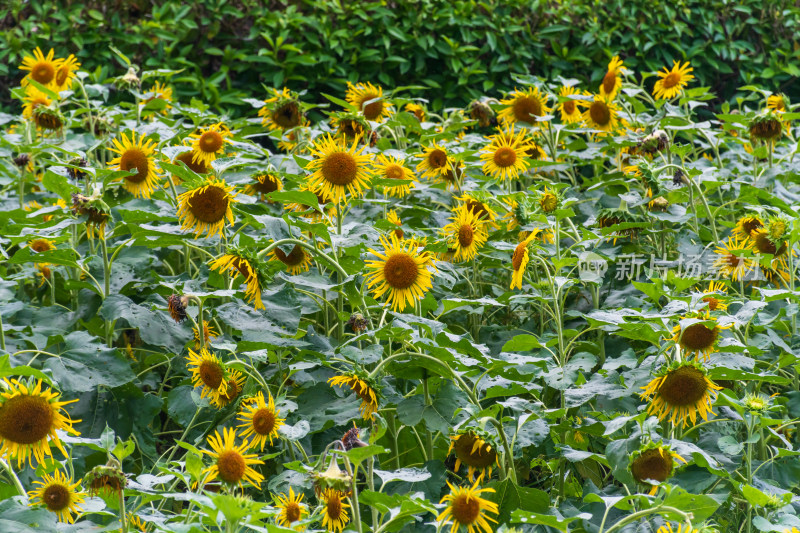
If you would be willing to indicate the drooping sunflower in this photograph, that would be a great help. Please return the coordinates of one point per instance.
(176, 304)
(733, 261)
(612, 81)
(416, 110)
(234, 387)
(435, 163)
(187, 158)
(700, 336)
(524, 106)
(260, 419)
(504, 156)
(42, 69)
(296, 261)
(653, 462)
(475, 451)
(679, 392)
(58, 494)
(237, 262)
(388, 167)
(204, 208)
(368, 99)
(65, 73)
(339, 171)
(39, 108)
(745, 226)
(762, 243)
(263, 183)
(135, 155)
(519, 261)
(208, 373)
(334, 515)
(672, 82)
(30, 415)
(712, 300)
(292, 509)
(232, 464)
(209, 142)
(349, 125)
(779, 103)
(570, 113)
(362, 388)
(401, 271)
(467, 508)
(466, 234)
(481, 112)
(600, 114)
(766, 128)
(282, 111)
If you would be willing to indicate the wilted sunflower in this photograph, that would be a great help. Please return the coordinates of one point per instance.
(58, 494)
(232, 464)
(334, 515)
(42, 69)
(260, 420)
(608, 218)
(519, 261)
(653, 463)
(39, 108)
(766, 127)
(714, 302)
(338, 171)
(466, 234)
(208, 373)
(762, 243)
(524, 106)
(435, 162)
(476, 452)
(612, 81)
(600, 114)
(65, 73)
(361, 388)
(570, 113)
(263, 183)
(291, 509)
(237, 263)
(673, 81)
(468, 509)
(135, 155)
(399, 270)
(296, 262)
(732, 261)
(679, 392)
(187, 158)
(368, 99)
(745, 226)
(177, 307)
(235, 386)
(504, 156)
(29, 419)
(205, 207)
(700, 337)
(209, 142)
(282, 111)
(415, 109)
(387, 167)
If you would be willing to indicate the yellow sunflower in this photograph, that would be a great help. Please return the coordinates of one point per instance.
(282, 111)
(612, 81)
(479, 206)
(368, 99)
(205, 208)
(263, 183)
(548, 200)
(680, 392)
(29, 419)
(388, 167)
(400, 271)
(600, 114)
(731, 263)
(504, 157)
(467, 508)
(159, 91)
(37, 106)
(474, 452)
(417, 110)
(653, 463)
(231, 463)
(712, 300)
(208, 333)
(209, 142)
(436, 162)
(135, 155)
(780, 104)
(700, 337)
(524, 106)
(292, 509)
(519, 261)
(260, 420)
(58, 494)
(466, 234)
(65, 73)
(41, 245)
(334, 515)
(233, 388)
(233, 264)
(362, 389)
(296, 262)
(208, 373)
(745, 227)
(673, 81)
(42, 69)
(667, 528)
(570, 113)
(394, 218)
(187, 159)
(338, 171)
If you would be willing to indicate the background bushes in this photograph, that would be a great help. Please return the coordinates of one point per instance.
(458, 49)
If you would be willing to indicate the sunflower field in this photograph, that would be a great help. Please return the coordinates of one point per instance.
(567, 306)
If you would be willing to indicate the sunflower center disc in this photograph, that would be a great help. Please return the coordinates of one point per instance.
(264, 421)
(25, 419)
(671, 80)
(683, 386)
(211, 374)
(231, 466)
(466, 509)
(334, 507)
(600, 113)
(465, 236)
(437, 159)
(395, 172)
(134, 159)
(339, 168)
(698, 337)
(569, 107)
(56, 497)
(373, 111)
(61, 75)
(481, 457)
(186, 159)
(210, 142)
(526, 109)
(209, 205)
(287, 116)
(477, 208)
(292, 512)
(505, 157)
(652, 464)
(400, 271)
(519, 254)
(294, 258)
(267, 186)
(609, 82)
(43, 73)
(713, 303)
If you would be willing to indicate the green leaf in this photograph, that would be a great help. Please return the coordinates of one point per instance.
(511, 497)
(85, 363)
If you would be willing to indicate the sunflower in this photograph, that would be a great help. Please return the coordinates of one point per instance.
(731, 263)
(570, 112)
(334, 516)
(762, 243)
(338, 170)
(478, 204)
(475, 452)
(466, 234)
(387, 167)
(505, 156)
(292, 509)
(349, 125)
(208, 372)
(187, 158)
(176, 304)
(416, 110)
(260, 419)
(38, 108)
(41, 69)
(159, 91)
(766, 128)
(394, 218)
(548, 200)
(714, 303)
(235, 386)
(399, 270)
(296, 262)
(368, 99)
(745, 227)
(700, 337)
(41, 245)
(600, 114)
(612, 81)
(667, 528)
(263, 183)
(134, 155)
(363, 389)
(779, 103)
(29, 419)
(65, 73)
(653, 463)
(209, 142)
(204, 208)
(232, 464)
(468, 509)
(679, 392)
(59, 495)
(136, 524)
(282, 111)
(524, 106)
(519, 261)
(235, 263)
(673, 81)
(435, 162)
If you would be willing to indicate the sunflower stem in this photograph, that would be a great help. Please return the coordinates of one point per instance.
(122, 518)
(13, 475)
(2, 335)
(428, 402)
(340, 279)
(371, 486)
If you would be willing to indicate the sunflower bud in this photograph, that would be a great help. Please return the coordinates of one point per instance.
(679, 178)
(106, 477)
(332, 478)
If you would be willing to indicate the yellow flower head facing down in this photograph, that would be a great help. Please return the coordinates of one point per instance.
(234, 264)
(339, 171)
(334, 512)
(209, 142)
(466, 234)
(59, 495)
(233, 388)
(476, 453)
(600, 114)
(65, 73)
(362, 389)
(205, 208)
(524, 106)
(746, 226)
(388, 167)
(654, 463)
(30, 416)
(297, 261)
(504, 156)
(291, 509)
(368, 99)
(400, 271)
(672, 82)
(679, 393)
(612, 80)
(208, 373)
(467, 508)
(700, 336)
(519, 261)
(282, 111)
(232, 464)
(416, 110)
(135, 155)
(41, 68)
(260, 420)
(37, 107)
(570, 112)
(436, 162)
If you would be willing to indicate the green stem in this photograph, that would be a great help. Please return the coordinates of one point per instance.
(13, 475)
(512, 471)
(428, 402)
(122, 518)
(687, 517)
